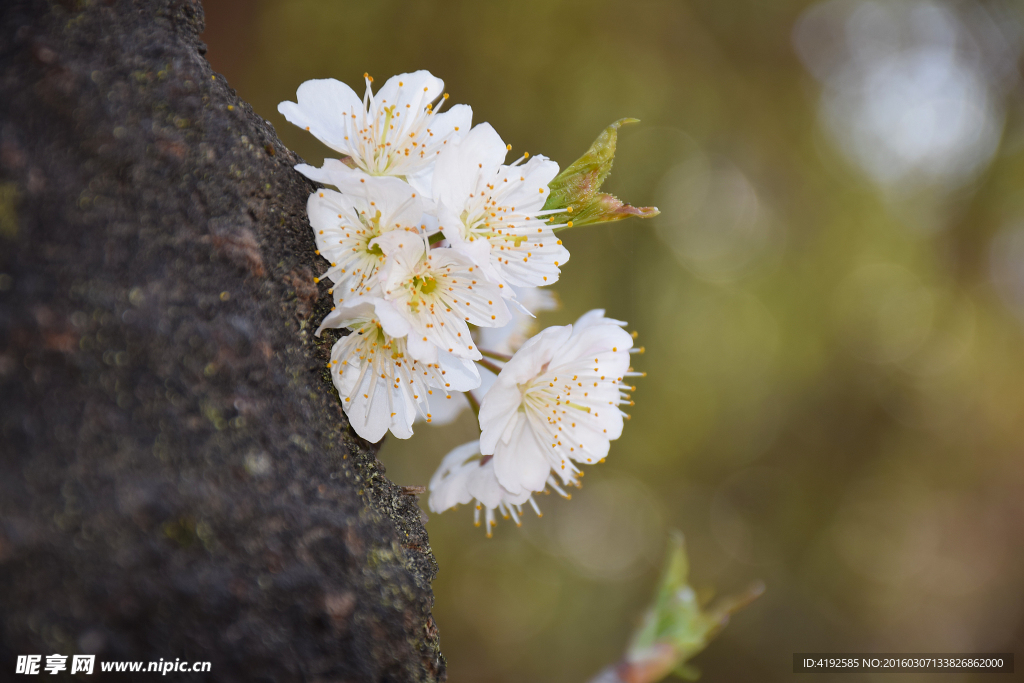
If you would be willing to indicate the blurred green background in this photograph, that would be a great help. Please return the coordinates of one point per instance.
(831, 302)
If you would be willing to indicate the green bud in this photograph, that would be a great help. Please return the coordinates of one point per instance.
(579, 185)
(676, 627)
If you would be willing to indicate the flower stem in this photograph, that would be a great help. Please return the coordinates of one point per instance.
(493, 367)
(495, 355)
(474, 404)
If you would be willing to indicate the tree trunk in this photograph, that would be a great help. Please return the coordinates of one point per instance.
(177, 479)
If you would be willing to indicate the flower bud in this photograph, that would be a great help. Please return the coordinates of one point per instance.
(577, 188)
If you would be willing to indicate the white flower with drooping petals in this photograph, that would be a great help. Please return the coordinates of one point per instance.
(493, 213)
(395, 132)
(436, 292)
(557, 402)
(381, 387)
(347, 223)
(466, 476)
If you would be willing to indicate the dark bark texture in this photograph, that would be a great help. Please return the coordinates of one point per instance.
(177, 479)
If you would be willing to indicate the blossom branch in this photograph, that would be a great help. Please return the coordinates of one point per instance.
(493, 367)
(504, 357)
(473, 403)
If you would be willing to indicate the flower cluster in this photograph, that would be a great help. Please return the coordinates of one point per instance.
(436, 246)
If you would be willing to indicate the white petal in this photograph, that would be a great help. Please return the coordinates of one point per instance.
(322, 216)
(461, 165)
(479, 252)
(416, 90)
(393, 323)
(333, 172)
(497, 409)
(370, 419)
(402, 248)
(448, 486)
(535, 354)
(594, 317)
(404, 414)
(483, 484)
(588, 439)
(358, 309)
(321, 103)
(450, 494)
(538, 173)
(444, 409)
(522, 464)
(608, 344)
(456, 122)
(421, 348)
(455, 459)
(534, 262)
(460, 373)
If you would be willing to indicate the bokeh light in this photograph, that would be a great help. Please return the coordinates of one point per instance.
(910, 93)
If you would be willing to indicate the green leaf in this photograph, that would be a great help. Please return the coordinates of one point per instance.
(676, 627)
(577, 189)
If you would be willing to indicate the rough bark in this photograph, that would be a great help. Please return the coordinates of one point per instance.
(177, 479)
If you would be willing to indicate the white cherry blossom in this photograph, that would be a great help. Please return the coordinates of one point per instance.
(381, 387)
(466, 476)
(395, 132)
(347, 223)
(436, 292)
(557, 402)
(493, 213)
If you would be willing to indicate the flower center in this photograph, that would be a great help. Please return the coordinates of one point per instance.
(424, 285)
(482, 226)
